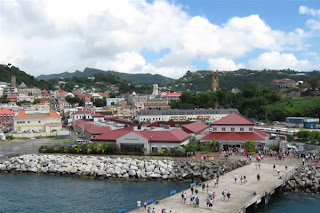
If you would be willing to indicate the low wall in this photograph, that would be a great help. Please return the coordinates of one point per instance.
(106, 167)
(34, 135)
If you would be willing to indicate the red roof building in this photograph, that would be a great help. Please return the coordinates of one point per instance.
(89, 130)
(6, 118)
(234, 130)
(195, 127)
(234, 119)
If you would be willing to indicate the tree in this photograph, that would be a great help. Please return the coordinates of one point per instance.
(72, 100)
(112, 95)
(250, 146)
(290, 138)
(36, 101)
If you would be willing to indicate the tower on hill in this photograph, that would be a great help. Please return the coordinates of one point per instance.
(214, 81)
(13, 81)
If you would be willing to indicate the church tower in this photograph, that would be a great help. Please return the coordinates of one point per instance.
(214, 81)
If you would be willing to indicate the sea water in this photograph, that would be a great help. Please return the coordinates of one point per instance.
(45, 193)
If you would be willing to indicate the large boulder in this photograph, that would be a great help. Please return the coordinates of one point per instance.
(155, 176)
(132, 173)
(3, 167)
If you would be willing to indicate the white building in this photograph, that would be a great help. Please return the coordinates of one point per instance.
(209, 115)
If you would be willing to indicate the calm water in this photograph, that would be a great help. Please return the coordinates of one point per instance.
(42, 193)
(292, 203)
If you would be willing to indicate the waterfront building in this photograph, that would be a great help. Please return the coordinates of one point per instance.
(153, 141)
(6, 118)
(208, 115)
(302, 122)
(234, 130)
(37, 121)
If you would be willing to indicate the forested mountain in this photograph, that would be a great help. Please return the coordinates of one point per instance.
(6, 72)
(136, 79)
(201, 80)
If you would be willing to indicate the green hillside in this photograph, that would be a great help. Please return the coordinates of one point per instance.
(6, 73)
(134, 78)
(304, 107)
(201, 80)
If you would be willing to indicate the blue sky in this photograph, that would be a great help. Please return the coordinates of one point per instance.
(167, 37)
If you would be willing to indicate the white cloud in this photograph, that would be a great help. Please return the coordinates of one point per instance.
(309, 11)
(277, 60)
(223, 64)
(51, 36)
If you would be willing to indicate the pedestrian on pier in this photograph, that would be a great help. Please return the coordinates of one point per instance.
(191, 199)
(138, 203)
(241, 180)
(228, 195)
(235, 178)
(258, 177)
(274, 167)
(192, 189)
(224, 193)
(210, 203)
(184, 197)
(197, 201)
(145, 205)
(286, 167)
(259, 165)
(217, 182)
(203, 186)
(153, 210)
(207, 188)
(244, 179)
(149, 210)
(278, 171)
(196, 190)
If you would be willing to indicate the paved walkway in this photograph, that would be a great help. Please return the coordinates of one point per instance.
(241, 195)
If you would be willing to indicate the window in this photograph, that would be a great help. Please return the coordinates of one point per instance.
(214, 129)
(251, 129)
(232, 129)
(223, 129)
(241, 129)
(28, 122)
(39, 121)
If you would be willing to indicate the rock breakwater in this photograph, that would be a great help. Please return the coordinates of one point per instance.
(107, 167)
(307, 179)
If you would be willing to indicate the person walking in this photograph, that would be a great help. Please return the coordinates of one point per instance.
(210, 203)
(241, 180)
(217, 181)
(192, 189)
(258, 177)
(145, 205)
(203, 186)
(274, 167)
(196, 190)
(153, 210)
(149, 210)
(224, 193)
(191, 199)
(235, 178)
(228, 195)
(184, 197)
(207, 188)
(197, 201)
(138, 203)
(286, 167)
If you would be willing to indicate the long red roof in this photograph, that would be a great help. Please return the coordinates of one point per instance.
(195, 127)
(234, 119)
(176, 135)
(256, 135)
(6, 112)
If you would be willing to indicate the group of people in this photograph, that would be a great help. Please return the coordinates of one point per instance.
(243, 179)
(149, 210)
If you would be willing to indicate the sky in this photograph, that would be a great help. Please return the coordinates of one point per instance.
(167, 37)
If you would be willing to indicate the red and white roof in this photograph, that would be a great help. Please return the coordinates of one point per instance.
(175, 136)
(6, 112)
(195, 127)
(256, 135)
(234, 119)
(174, 94)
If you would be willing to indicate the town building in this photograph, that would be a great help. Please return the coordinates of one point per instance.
(283, 85)
(234, 130)
(6, 119)
(153, 141)
(114, 101)
(11, 106)
(33, 122)
(208, 115)
(36, 107)
(157, 104)
(302, 122)
(25, 91)
(174, 96)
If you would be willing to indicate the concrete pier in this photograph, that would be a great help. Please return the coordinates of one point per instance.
(250, 194)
